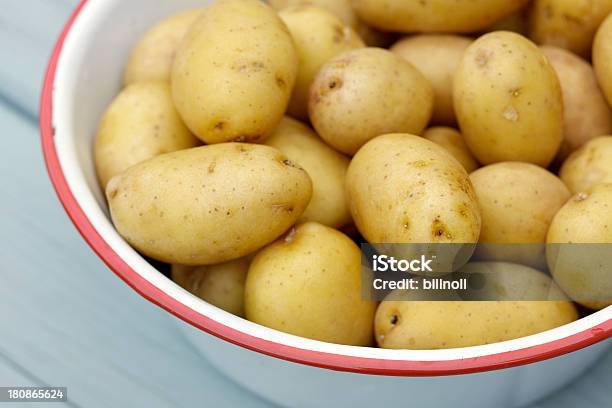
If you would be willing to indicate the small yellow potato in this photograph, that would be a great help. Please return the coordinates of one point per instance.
(365, 93)
(505, 281)
(326, 167)
(208, 204)
(438, 16)
(518, 202)
(589, 165)
(508, 101)
(344, 11)
(309, 284)
(437, 57)
(453, 142)
(413, 323)
(586, 112)
(234, 71)
(319, 36)
(139, 124)
(152, 57)
(602, 57)
(569, 24)
(221, 285)
(582, 269)
(405, 189)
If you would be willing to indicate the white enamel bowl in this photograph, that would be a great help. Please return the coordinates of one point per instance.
(83, 76)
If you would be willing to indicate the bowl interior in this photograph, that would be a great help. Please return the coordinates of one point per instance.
(88, 76)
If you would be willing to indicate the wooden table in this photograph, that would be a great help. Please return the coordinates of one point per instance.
(65, 319)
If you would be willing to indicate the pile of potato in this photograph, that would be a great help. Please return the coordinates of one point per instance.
(251, 139)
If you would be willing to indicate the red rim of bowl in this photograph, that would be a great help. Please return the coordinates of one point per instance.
(313, 358)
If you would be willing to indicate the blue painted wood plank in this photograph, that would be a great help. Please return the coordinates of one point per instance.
(13, 375)
(27, 30)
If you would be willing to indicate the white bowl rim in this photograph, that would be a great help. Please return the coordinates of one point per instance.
(144, 279)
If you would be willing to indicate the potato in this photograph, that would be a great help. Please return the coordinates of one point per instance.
(234, 71)
(602, 57)
(586, 112)
(152, 57)
(405, 189)
(209, 204)
(319, 36)
(344, 11)
(417, 324)
(326, 167)
(583, 271)
(309, 284)
(569, 24)
(453, 142)
(505, 281)
(365, 93)
(508, 101)
(221, 285)
(139, 124)
(589, 165)
(437, 57)
(518, 202)
(447, 16)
